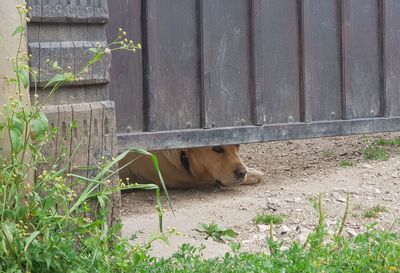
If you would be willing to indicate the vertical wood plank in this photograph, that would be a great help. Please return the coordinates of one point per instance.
(226, 62)
(50, 150)
(257, 74)
(322, 60)
(172, 59)
(127, 91)
(64, 135)
(391, 11)
(361, 59)
(108, 124)
(81, 114)
(280, 55)
(96, 135)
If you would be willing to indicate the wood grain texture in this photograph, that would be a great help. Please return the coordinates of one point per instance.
(362, 59)
(391, 41)
(322, 60)
(126, 85)
(226, 63)
(172, 99)
(69, 11)
(279, 97)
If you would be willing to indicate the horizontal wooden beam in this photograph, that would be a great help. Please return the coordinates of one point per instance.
(72, 11)
(251, 134)
(71, 56)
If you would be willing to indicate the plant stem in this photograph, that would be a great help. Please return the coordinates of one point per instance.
(346, 213)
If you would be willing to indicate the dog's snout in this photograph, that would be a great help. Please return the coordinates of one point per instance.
(240, 173)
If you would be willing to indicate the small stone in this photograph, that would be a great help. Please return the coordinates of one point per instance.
(303, 237)
(367, 166)
(299, 210)
(284, 229)
(263, 228)
(351, 232)
(341, 200)
(377, 191)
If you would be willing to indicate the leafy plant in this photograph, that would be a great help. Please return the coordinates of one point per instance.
(216, 232)
(267, 219)
(371, 251)
(45, 224)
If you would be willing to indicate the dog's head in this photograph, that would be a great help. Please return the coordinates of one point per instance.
(221, 164)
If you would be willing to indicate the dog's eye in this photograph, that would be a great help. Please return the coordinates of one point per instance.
(218, 149)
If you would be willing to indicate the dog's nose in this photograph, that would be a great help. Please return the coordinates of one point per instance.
(240, 173)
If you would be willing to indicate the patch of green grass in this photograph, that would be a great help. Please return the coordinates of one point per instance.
(372, 251)
(387, 142)
(217, 232)
(374, 211)
(375, 153)
(328, 154)
(346, 163)
(267, 219)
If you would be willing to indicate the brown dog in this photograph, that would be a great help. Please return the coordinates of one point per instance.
(186, 168)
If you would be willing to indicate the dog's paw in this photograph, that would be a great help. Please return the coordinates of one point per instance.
(253, 176)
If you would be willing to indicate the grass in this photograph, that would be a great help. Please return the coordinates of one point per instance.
(346, 163)
(375, 153)
(267, 219)
(328, 154)
(374, 211)
(387, 142)
(371, 251)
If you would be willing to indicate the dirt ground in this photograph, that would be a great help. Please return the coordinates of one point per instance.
(295, 172)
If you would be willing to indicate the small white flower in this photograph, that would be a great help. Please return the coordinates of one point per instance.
(107, 51)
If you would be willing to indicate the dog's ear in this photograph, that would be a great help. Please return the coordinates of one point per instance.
(174, 157)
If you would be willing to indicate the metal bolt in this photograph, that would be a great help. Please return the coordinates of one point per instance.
(213, 124)
(333, 115)
(242, 121)
(188, 125)
(290, 119)
(128, 129)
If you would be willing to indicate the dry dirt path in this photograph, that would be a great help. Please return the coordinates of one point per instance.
(295, 172)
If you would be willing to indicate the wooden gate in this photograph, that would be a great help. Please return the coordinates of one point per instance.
(239, 71)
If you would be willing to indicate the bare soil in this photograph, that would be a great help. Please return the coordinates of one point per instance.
(295, 173)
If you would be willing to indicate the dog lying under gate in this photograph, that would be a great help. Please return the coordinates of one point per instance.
(192, 167)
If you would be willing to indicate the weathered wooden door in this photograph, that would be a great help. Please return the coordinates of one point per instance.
(238, 71)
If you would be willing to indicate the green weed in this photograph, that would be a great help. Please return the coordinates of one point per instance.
(346, 163)
(387, 142)
(267, 219)
(374, 211)
(217, 232)
(375, 153)
(328, 154)
(372, 251)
